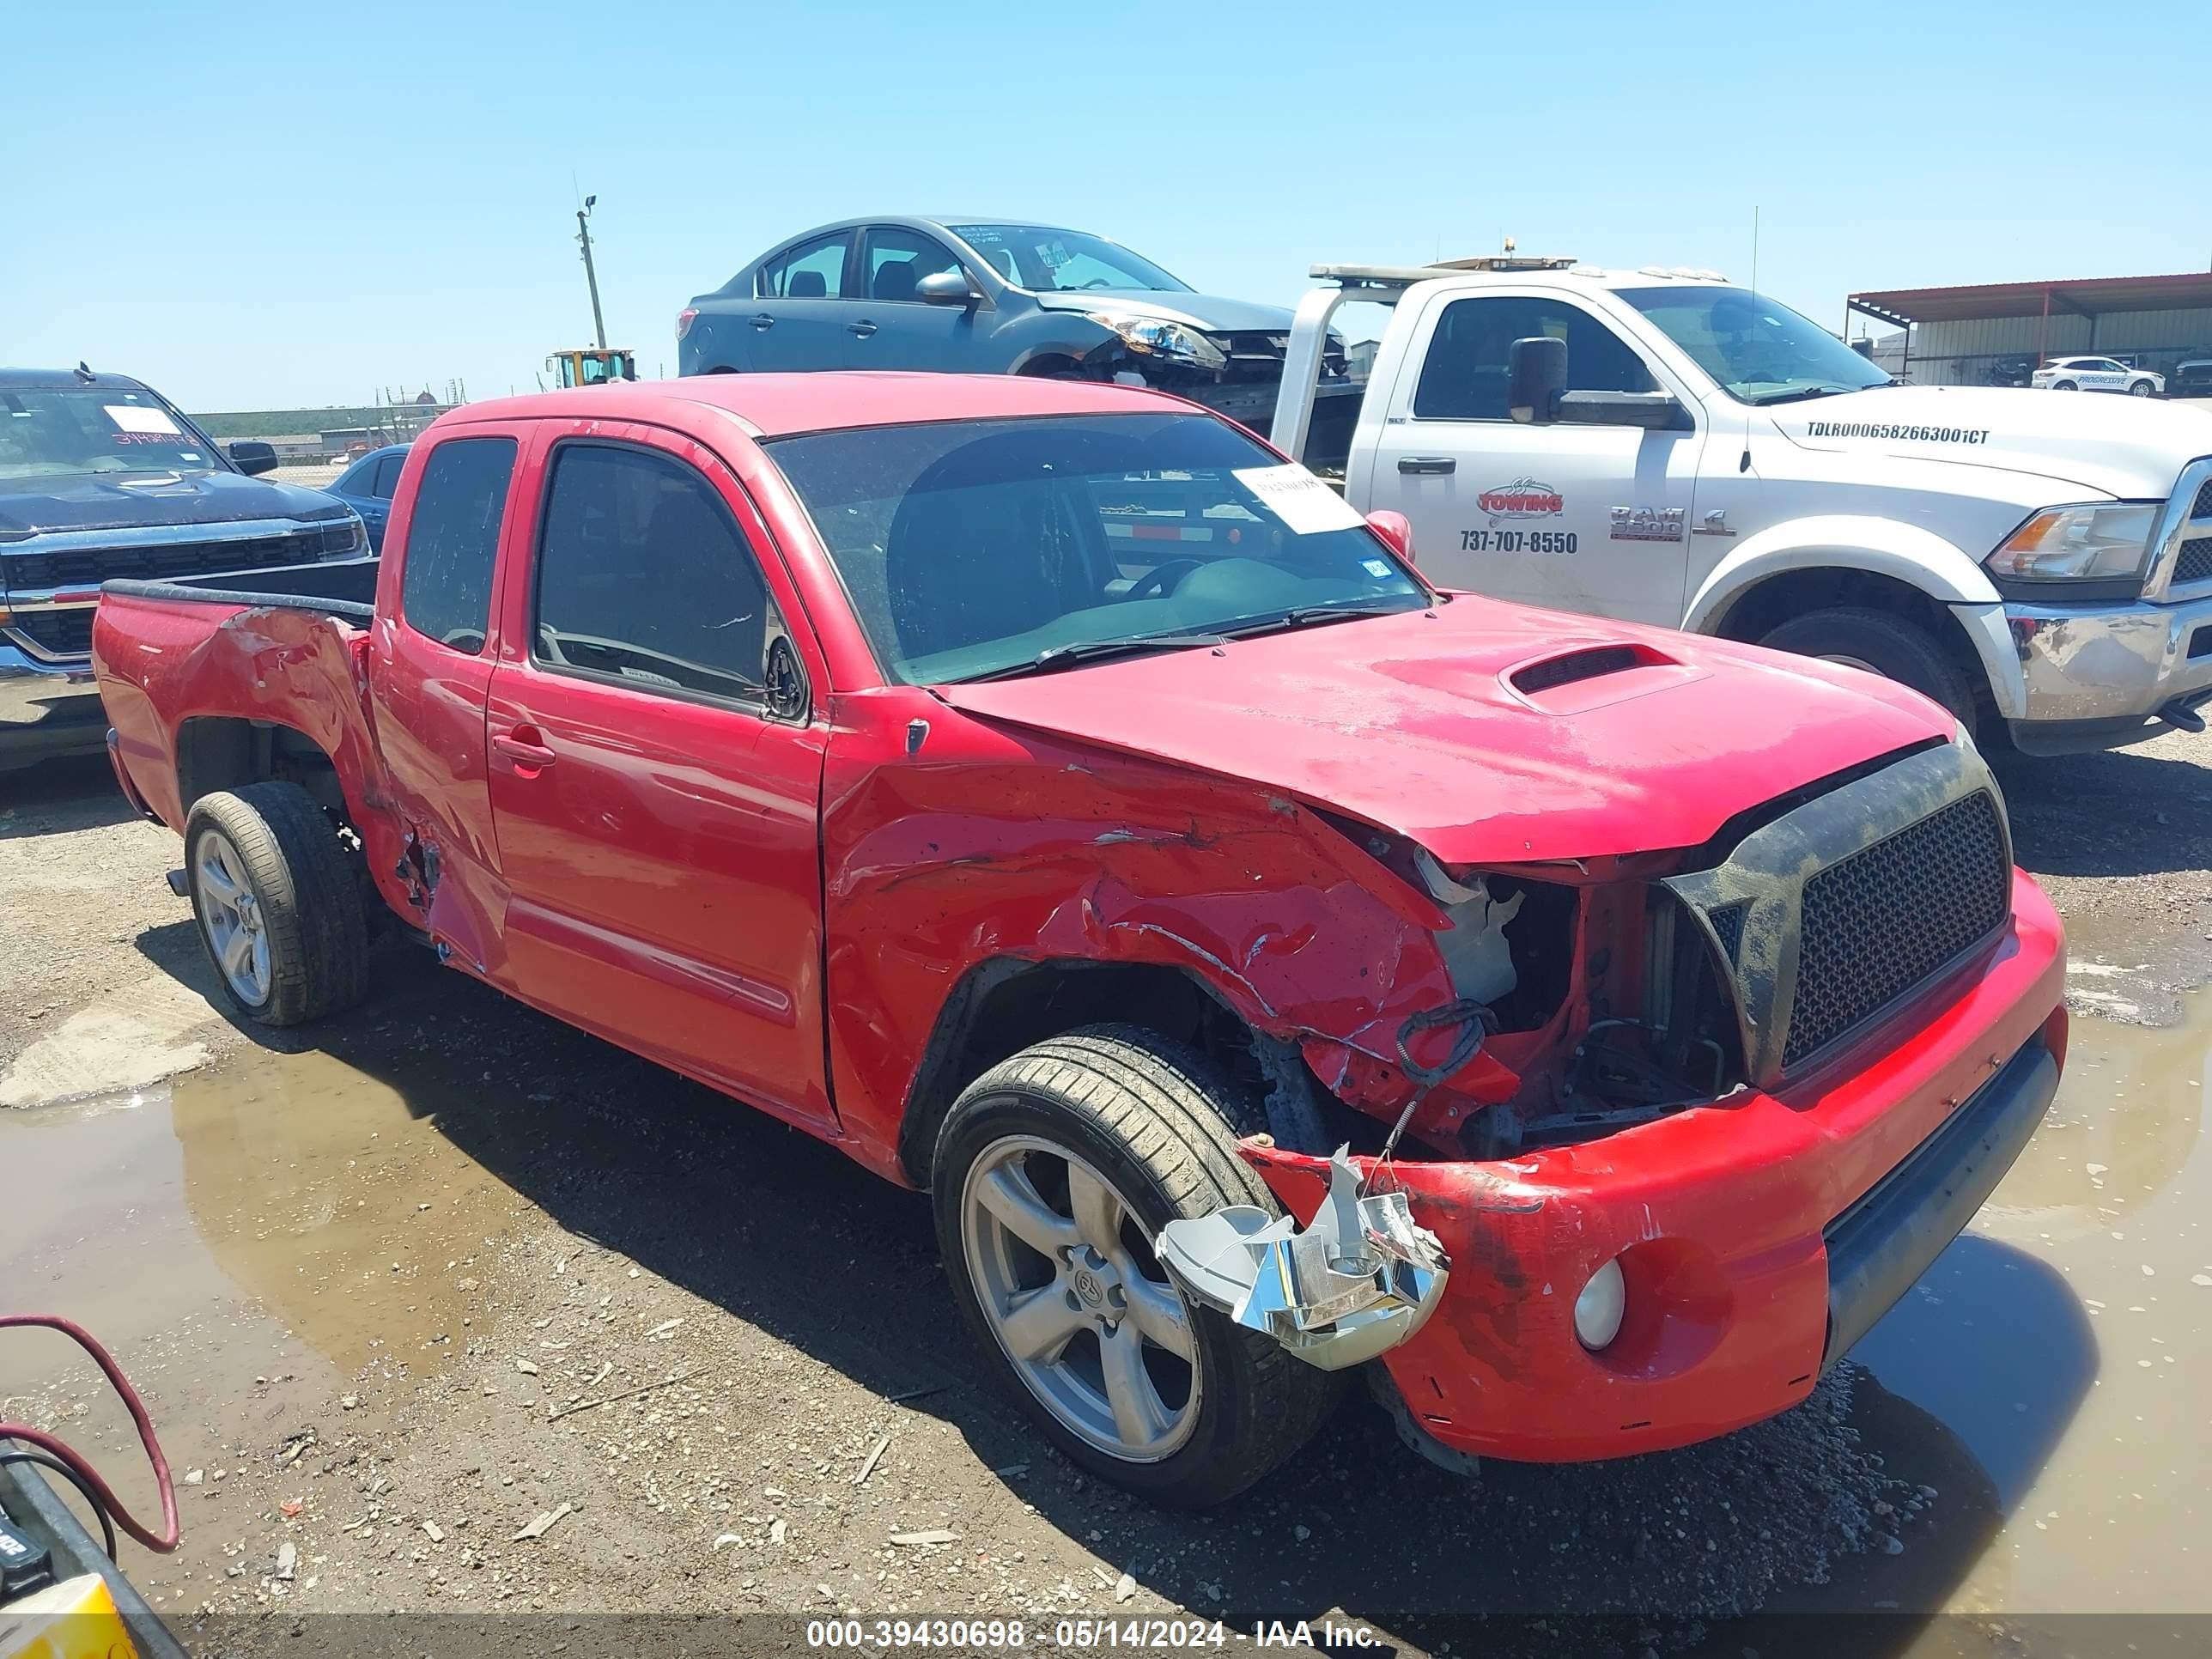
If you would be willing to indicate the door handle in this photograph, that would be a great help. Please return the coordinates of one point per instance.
(520, 746)
(762, 320)
(863, 329)
(1427, 464)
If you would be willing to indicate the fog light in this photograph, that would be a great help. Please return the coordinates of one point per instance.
(1598, 1309)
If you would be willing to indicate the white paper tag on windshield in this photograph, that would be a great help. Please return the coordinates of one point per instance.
(1306, 505)
(134, 417)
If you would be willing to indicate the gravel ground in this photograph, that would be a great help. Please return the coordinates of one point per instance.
(451, 1222)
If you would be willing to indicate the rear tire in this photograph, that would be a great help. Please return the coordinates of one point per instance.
(1121, 1107)
(1882, 644)
(278, 899)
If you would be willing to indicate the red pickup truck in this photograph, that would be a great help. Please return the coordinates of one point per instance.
(1048, 795)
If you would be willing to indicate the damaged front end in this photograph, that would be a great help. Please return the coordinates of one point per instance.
(1361, 1279)
(1592, 998)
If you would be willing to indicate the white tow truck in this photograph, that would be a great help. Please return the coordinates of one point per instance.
(1666, 446)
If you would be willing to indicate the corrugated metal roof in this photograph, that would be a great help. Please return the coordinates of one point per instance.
(2081, 296)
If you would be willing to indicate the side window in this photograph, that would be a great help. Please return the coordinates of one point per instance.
(444, 588)
(644, 576)
(387, 476)
(1466, 375)
(893, 260)
(355, 480)
(812, 270)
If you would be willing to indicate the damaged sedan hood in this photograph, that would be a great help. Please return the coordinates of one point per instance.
(1487, 733)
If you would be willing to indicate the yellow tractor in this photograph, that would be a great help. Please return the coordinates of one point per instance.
(591, 366)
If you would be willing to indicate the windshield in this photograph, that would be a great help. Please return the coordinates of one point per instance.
(66, 431)
(971, 548)
(1038, 257)
(1759, 351)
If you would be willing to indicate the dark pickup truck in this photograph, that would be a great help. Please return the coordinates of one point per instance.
(102, 476)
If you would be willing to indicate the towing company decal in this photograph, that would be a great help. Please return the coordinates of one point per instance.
(1646, 524)
(1911, 434)
(1524, 498)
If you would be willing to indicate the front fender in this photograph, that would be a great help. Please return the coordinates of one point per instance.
(1883, 547)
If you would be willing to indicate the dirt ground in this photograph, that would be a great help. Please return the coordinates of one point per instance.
(400, 1289)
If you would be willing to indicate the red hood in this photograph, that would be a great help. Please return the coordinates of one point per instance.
(1412, 722)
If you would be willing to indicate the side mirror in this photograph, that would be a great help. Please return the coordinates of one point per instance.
(945, 288)
(253, 458)
(1536, 371)
(1654, 412)
(1395, 530)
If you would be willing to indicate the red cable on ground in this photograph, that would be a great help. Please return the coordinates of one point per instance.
(165, 1539)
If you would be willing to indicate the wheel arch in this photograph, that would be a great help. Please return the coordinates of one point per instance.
(1004, 1004)
(1879, 563)
(227, 751)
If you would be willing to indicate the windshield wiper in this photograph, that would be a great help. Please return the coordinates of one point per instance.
(1056, 657)
(1804, 392)
(1305, 616)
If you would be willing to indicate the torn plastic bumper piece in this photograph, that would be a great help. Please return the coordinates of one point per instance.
(1356, 1283)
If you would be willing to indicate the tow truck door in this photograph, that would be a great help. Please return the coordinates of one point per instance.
(657, 804)
(1575, 516)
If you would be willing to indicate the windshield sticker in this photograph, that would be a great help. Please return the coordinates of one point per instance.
(1911, 435)
(1524, 498)
(1306, 505)
(1378, 568)
(132, 417)
(1646, 524)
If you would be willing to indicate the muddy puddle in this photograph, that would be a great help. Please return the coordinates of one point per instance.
(285, 1220)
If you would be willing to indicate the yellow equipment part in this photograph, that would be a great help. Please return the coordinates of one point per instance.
(73, 1620)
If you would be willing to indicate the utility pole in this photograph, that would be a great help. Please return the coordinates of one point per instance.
(584, 235)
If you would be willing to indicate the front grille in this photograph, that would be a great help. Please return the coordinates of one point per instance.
(89, 567)
(1880, 921)
(2194, 564)
(2202, 506)
(56, 633)
(1258, 354)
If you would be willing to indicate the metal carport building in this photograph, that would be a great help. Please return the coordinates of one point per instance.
(1997, 333)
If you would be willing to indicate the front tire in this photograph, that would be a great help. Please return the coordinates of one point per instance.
(278, 902)
(1880, 644)
(2140, 389)
(1053, 1173)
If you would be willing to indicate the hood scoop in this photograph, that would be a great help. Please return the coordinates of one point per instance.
(1592, 676)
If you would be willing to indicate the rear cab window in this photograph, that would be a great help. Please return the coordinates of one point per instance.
(452, 541)
(643, 579)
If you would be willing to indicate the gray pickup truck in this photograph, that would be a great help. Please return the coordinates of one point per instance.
(102, 476)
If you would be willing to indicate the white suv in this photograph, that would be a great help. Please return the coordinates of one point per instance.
(2096, 374)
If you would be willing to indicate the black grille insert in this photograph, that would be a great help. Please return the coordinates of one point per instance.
(56, 633)
(2194, 564)
(2202, 508)
(89, 567)
(1884, 919)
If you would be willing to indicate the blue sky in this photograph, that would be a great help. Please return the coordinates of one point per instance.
(255, 206)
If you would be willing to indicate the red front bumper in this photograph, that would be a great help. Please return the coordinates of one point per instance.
(1718, 1216)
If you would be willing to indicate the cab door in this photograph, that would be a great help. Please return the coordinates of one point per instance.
(454, 531)
(1575, 516)
(657, 804)
(891, 326)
